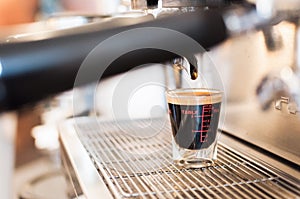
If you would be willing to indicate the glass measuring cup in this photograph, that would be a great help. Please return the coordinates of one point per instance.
(194, 117)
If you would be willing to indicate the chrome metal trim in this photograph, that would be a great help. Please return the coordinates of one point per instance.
(91, 183)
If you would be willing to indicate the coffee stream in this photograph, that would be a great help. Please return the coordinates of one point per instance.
(193, 72)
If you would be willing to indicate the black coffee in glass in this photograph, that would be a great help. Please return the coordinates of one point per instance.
(194, 117)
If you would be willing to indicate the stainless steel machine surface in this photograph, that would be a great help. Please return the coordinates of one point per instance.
(258, 158)
(105, 161)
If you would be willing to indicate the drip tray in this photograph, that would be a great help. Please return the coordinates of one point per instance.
(133, 158)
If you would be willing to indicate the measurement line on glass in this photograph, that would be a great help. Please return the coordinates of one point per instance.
(202, 115)
(200, 131)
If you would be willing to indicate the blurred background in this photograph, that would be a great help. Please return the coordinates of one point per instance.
(238, 66)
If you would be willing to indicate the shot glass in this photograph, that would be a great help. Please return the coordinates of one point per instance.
(194, 117)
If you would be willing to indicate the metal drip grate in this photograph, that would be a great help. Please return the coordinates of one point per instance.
(134, 159)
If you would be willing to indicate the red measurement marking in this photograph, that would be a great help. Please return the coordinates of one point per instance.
(206, 115)
(200, 131)
(189, 112)
(203, 138)
(206, 110)
(202, 115)
(203, 132)
(203, 135)
(205, 121)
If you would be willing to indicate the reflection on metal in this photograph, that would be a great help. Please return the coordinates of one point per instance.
(286, 84)
(192, 3)
(291, 106)
(1, 68)
(278, 103)
(138, 4)
(273, 38)
(8, 125)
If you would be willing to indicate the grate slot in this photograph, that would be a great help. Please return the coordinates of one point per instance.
(243, 175)
(245, 184)
(267, 178)
(138, 164)
(292, 187)
(237, 186)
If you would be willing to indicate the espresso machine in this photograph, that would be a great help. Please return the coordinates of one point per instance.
(251, 46)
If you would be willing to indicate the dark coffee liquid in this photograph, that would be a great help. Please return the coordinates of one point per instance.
(194, 126)
(193, 72)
